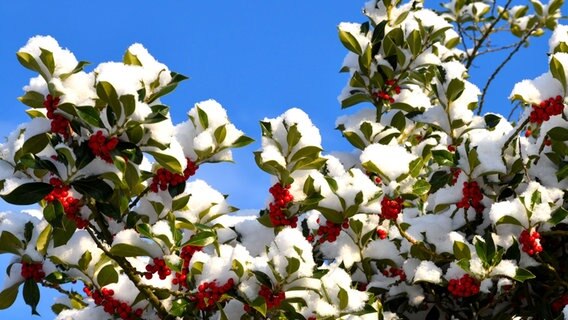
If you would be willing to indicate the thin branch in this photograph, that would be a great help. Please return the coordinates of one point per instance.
(142, 194)
(133, 276)
(486, 34)
(494, 74)
(69, 294)
(491, 50)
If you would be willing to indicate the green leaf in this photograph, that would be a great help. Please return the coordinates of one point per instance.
(414, 41)
(167, 161)
(9, 243)
(238, 268)
(366, 59)
(558, 133)
(558, 215)
(36, 144)
(61, 235)
(79, 67)
(481, 250)
(28, 61)
(293, 265)
(90, 115)
(557, 70)
(473, 159)
(508, 220)
(343, 298)
(31, 295)
(128, 103)
(355, 99)
(178, 307)
(108, 94)
(203, 118)
(562, 173)
(85, 260)
(354, 139)
(523, 274)
(46, 57)
(202, 239)
(242, 141)
(455, 89)
(421, 187)
(220, 134)
(8, 296)
(461, 251)
(28, 193)
(94, 187)
(492, 120)
(443, 157)
(350, 42)
(415, 166)
(293, 136)
(399, 121)
(438, 180)
(107, 275)
(127, 250)
(259, 304)
(311, 152)
(131, 59)
(32, 99)
(43, 239)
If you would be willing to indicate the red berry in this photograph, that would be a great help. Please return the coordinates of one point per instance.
(390, 208)
(463, 287)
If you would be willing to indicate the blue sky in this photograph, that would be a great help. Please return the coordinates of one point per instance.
(257, 58)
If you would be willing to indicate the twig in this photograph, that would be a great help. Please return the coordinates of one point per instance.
(142, 194)
(133, 276)
(70, 294)
(486, 34)
(494, 74)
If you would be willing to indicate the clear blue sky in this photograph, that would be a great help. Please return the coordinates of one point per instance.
(257, 58)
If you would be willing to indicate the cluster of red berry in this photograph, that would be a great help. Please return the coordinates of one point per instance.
(209, 293)
(158, 266)
(546, 109)
(71, 206)
(395, 272)
(330, 231)
(111, 305)
(471, 197)
(164, 178)
(530, 241)
(33, 270)
(560, 303)
(382, 233)
(386, 94)
(102, 146)
(282, 198)
(59, 124)
(186, 255)
(390, 208)
(463, 287)
(273, 299)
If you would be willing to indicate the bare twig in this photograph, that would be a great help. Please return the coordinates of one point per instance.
(486, 34)
(496, 72)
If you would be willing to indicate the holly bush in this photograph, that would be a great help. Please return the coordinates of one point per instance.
(439, 212)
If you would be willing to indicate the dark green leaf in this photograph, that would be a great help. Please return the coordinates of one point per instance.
(9, 243)
(523, 274)
(93, 187)
(32, 99)
(28, 193)
(202, 239)
(90, 115)
(8, 296)
(31, 295)
(127, 250)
